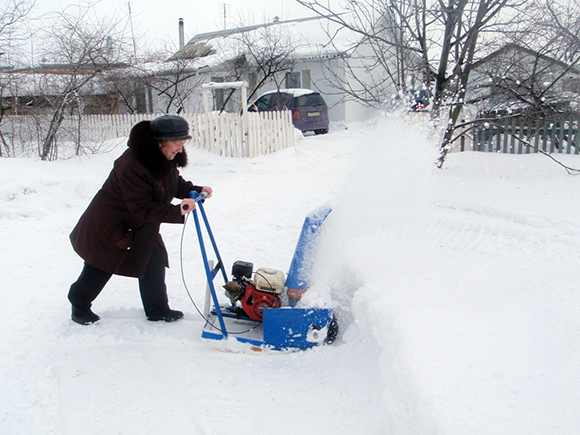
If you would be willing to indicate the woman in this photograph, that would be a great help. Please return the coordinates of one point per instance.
(119, 232)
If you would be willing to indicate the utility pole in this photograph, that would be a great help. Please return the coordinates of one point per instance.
(225, 14)
(132, 32)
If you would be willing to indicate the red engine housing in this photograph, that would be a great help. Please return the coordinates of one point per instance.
(254, 301)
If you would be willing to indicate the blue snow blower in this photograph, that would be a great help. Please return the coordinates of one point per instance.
(262, 314)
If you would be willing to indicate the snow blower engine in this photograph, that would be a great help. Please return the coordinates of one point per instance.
(254, 295)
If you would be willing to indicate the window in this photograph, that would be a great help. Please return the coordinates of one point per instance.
(309, 100)
(281, 100)
(218, 94)
(263, 103)
(293, 80)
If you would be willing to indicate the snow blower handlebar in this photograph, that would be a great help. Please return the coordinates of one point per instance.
(209, 272)
(199, 197)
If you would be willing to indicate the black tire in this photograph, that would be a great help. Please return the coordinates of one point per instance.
(332, 331)
(321, 131)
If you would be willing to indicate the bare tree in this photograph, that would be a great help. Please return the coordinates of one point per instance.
(13, 14)
(255, 54)
(442, 38)
(268, 53)
(82, 47)
(162, 78)
(380, 59)
(263, 54)
(535, 74)
(525, 82)
(176, 84)
(563, 18)
(140, 86)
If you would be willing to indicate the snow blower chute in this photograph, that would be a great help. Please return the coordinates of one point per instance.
(261, 314)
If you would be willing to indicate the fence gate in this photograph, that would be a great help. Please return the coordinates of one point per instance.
(241, 127)
(243, 134)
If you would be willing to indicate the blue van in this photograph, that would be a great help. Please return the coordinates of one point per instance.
(309, 110)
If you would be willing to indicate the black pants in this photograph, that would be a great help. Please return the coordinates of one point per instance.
(152, 286)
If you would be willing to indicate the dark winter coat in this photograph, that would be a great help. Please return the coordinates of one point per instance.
(118, 231)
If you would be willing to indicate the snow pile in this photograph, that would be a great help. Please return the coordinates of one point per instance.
(455, 289)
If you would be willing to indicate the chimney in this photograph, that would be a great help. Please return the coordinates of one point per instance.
(181, 35)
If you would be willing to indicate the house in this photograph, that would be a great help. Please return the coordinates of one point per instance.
(517, 79)
(313, 53)
(30, 90)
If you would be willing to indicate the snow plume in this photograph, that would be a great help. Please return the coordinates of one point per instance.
(387, 185)
(383, 199)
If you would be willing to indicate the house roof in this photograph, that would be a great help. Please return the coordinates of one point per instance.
(244, 29)
(309, 37)
(514, 48)
(31, 84)
(67, 69)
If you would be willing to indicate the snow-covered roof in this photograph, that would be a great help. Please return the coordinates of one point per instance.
(513, 51)
(308, 37)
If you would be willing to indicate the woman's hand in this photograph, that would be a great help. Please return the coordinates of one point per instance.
(207, 189)
(187, 205)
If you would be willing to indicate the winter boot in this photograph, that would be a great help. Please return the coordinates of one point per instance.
(84, 316)
(166, 316)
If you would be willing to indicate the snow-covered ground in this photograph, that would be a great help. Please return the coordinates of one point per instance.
(456, 290)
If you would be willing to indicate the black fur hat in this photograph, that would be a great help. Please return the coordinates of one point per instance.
(169, 128)
(147, 150)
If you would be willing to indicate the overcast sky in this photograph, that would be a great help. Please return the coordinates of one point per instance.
(158, 19)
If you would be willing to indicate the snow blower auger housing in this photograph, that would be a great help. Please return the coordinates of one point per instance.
(258, 316)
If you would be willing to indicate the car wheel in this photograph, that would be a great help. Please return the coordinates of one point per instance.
(321, 131)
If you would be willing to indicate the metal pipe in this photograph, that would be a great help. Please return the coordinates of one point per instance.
(181, 35)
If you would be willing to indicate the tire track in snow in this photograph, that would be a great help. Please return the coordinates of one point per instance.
(487, 230)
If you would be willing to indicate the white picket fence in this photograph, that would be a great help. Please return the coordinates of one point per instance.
(224, 134)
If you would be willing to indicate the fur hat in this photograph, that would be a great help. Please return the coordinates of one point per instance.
(169, 128)
(147, 150)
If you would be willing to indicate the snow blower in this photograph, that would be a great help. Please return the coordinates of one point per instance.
(261, 313)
